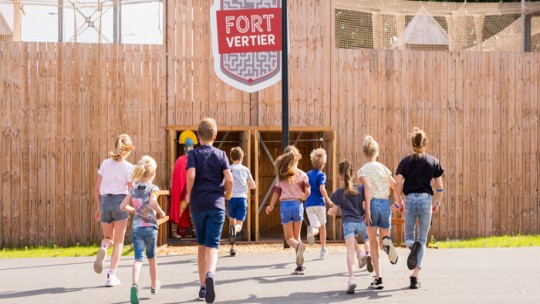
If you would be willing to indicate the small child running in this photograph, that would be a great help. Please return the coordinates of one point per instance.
(317, 200)
(292, 188)
(349, 199)
(243, 181)
(143, 196)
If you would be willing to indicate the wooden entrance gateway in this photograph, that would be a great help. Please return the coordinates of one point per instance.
(262, 145)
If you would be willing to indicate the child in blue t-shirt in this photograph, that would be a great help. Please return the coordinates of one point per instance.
(208, 177)
(237, 209)
(317, 200)
(143, 196)
(349, 198)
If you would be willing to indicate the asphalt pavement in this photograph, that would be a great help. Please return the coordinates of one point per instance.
(449, 276)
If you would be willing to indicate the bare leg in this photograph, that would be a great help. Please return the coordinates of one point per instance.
(374, 244)
(201, 263)
(289, 234)
(322, 231)
(136, 270)
(153, 271)
(119, 234)
(351, 253)
(211, 259)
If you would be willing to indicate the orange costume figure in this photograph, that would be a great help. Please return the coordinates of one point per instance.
(179, 209)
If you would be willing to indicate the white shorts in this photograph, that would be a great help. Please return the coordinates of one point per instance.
(316, 216)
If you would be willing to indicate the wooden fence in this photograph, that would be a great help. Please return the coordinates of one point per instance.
(63, 104)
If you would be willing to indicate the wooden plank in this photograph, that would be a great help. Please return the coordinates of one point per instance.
(137, 109)
(89, 76)
(24, 82)
(51, 151)
(459, 161)
(42, 145)
(527, 135)
(311, 53)
(172, 31)
(519, 94)
(79, 61)
(16, 149)
(33, 143)
(68, 143)
(328, 50)
(257, 179)
(61, 66)
(481, 134)
(146, 110)
(534, 155)
(490, 134)
(450, 179)
(5, 77)
(497, 150)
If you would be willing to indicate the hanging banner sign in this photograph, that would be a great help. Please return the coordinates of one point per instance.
(246, 42)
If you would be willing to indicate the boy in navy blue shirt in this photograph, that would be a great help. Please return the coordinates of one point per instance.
(208, 177)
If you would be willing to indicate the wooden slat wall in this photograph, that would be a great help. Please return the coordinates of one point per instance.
(62, 105)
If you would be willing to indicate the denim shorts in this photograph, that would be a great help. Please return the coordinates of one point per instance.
(237, 208)
(354, 229)
(381, 214)
(208, 226)
(109, 208)
(291, 211)
(144, 237)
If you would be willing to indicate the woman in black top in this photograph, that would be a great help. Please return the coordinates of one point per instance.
(418, 170)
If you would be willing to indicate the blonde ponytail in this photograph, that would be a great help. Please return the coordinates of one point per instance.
(144, 168)
(123, 146)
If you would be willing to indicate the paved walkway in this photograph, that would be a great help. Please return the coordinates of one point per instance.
(450, 276)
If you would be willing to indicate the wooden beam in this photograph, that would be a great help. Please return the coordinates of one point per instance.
(16, 20)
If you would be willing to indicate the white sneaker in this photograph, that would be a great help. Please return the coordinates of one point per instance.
(112, 280)
(310, 236)
(100, 258)
(351, 285)
(324, 253)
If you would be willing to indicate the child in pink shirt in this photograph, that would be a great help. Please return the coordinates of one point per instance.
(292, 189)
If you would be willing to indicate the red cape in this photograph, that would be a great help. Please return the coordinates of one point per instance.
(178, 193)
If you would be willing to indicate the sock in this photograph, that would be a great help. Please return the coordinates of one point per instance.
(362, 254)
(238, 228)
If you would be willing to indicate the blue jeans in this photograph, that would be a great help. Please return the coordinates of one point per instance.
(238, 208)
(291, 211)
(208, 226)
(381, 213)
(144, 237)
(417, 206)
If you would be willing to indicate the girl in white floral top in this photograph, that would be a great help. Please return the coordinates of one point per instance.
(377, 180)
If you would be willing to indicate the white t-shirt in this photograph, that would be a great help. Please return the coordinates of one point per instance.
(241, 175)
(116, 175)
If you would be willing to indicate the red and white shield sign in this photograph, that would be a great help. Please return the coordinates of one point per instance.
(246, 42)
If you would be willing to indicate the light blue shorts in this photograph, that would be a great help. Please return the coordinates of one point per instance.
(381, 214)
(291, 211)
(352, 229)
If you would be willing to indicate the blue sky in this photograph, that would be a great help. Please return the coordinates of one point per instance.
(141, 23)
